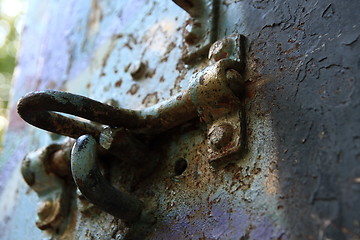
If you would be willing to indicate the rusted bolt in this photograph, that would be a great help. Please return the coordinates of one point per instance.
(137, 69)
(49, 215)
(220, 136)
(221, 49)
(45, 209)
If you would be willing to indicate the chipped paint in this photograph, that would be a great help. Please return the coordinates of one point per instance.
(299, 177)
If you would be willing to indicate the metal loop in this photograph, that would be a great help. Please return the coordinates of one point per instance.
(37, 109)
(95, 187)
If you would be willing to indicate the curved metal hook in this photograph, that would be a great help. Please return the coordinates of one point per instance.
(210, 95)
(37, 108)
(95, 187)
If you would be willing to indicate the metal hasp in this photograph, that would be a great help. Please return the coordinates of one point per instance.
(200, 30)
(213, 95)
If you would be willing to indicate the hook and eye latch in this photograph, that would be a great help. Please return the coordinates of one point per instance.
(212, 95)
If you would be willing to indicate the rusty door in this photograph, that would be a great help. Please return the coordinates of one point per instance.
(265, 147)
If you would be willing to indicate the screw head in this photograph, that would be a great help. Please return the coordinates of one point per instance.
(220, 136)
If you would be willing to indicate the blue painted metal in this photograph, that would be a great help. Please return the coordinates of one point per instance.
(53, 191)
(86, 47)
(95, 187)
(299, 178)
(209, 93)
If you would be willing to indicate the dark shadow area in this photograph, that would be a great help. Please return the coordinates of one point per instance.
(308, 52)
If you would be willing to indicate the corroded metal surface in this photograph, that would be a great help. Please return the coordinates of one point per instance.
(94, 186)
(299, 178)
(200, 31)
(209, 93)
(45, 171)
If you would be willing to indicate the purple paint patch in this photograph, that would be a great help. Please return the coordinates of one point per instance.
(129, 11)
(219, 219)
(10, 157)
(265, 229)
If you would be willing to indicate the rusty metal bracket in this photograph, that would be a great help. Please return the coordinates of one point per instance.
(200, 30)
(221, 110)
(213, 95)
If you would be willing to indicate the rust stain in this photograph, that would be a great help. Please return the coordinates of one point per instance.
(271, 183)
(94, 19)
(287, 51)
(118, 83)
(176, 89)
(51, 85)
(133, 89)
(107, 55)
(150, 74)
(253, 87)
(180, 66)
(169, 48)
(151, 99)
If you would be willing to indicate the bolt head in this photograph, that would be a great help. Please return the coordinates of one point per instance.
(220, 136)
(45, 209)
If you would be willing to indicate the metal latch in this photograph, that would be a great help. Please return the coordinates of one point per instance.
(200, 30)
(214, 96)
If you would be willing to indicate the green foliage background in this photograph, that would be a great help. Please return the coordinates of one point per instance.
(9, 27)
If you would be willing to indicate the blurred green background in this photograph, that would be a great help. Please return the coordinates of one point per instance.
(11, 24)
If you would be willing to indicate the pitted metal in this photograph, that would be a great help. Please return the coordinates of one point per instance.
(200, 30)
(95, 187)
(37, 108)
(45, 171)
(209, 96)
(218, 105)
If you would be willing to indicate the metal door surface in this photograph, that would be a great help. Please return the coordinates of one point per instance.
(296, 174)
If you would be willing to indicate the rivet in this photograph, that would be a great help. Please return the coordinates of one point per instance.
(220, 136)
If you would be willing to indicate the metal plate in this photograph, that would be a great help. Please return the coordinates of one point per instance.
(300, 176)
